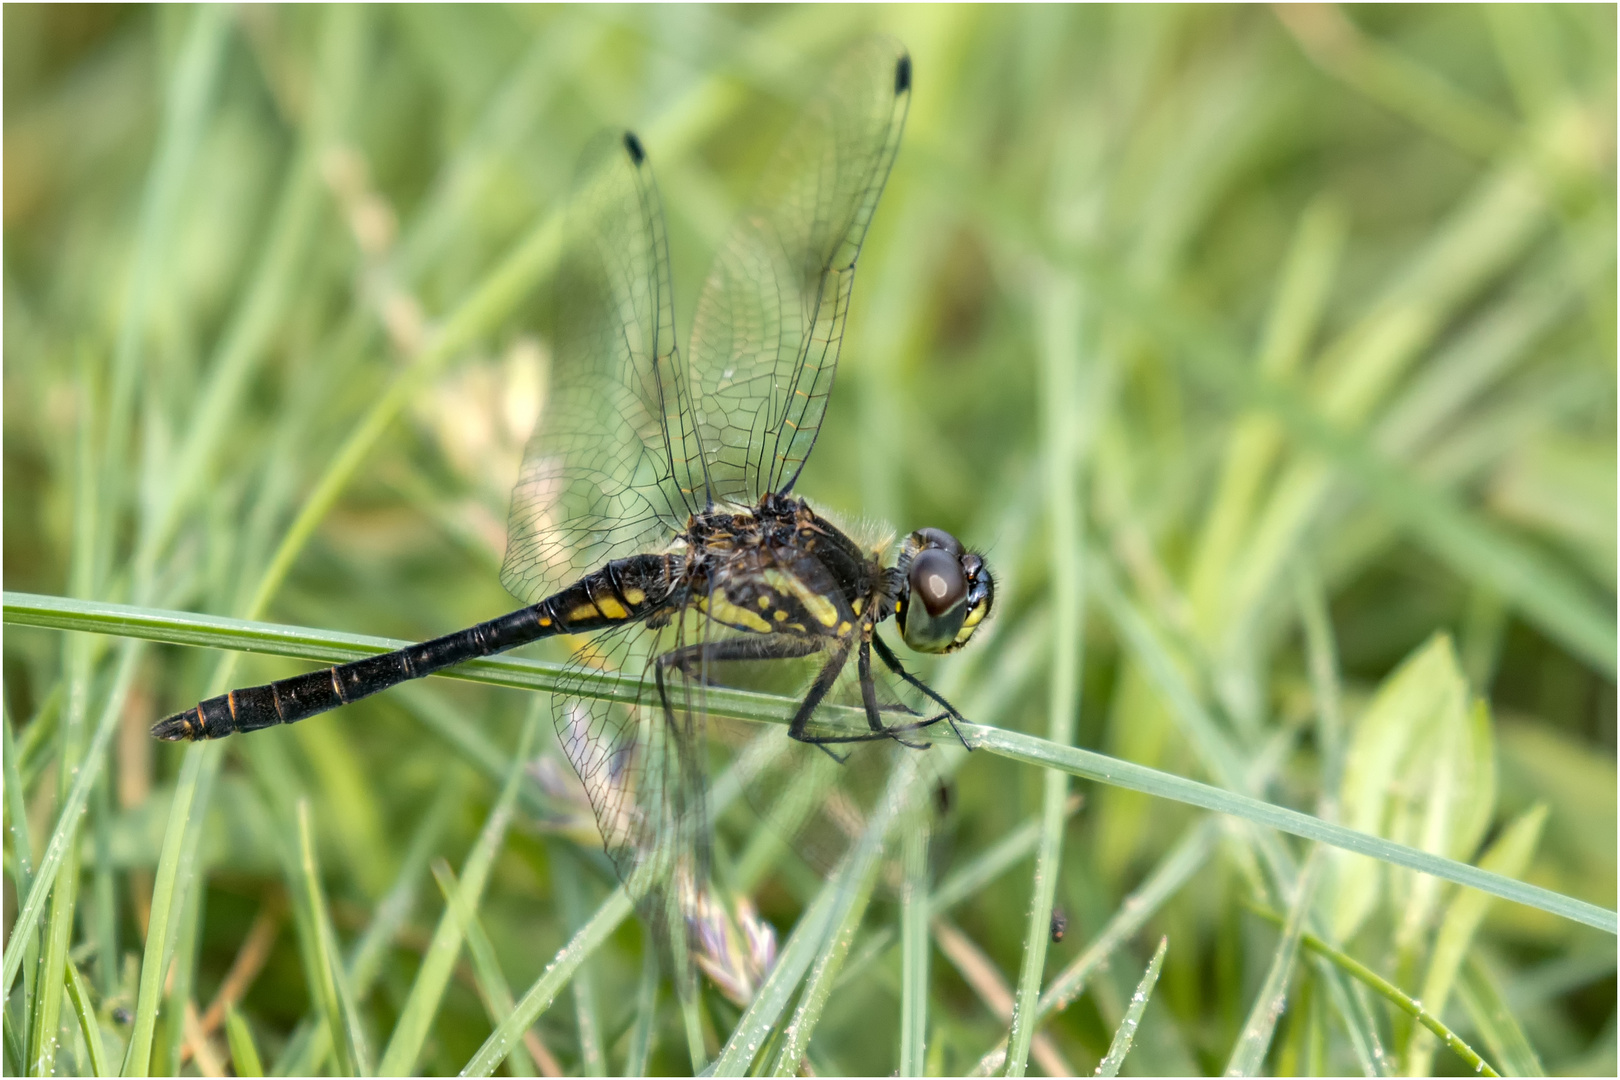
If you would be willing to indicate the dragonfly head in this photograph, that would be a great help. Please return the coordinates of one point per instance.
(945, 594)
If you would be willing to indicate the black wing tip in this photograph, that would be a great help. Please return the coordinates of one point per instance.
(902, 74)
(633, 146)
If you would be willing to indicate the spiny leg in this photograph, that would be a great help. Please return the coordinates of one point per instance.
(869, 699)
(893, 664)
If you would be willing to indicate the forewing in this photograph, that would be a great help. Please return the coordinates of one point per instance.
(598, 478)
(770, 319)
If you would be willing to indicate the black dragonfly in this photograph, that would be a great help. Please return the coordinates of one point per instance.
(655, 508)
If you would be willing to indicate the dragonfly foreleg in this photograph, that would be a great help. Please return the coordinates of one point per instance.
(893, 663)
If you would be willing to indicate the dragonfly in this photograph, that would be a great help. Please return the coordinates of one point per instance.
(655, 512)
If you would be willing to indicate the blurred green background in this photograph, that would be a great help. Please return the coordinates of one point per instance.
(230, 233)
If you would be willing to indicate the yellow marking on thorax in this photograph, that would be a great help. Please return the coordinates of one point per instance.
(634, 595)
(723, 610)
(820, 608)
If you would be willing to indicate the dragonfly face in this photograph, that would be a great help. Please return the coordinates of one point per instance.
(946, 592)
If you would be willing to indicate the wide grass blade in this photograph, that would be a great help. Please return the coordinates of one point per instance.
(245, 1059)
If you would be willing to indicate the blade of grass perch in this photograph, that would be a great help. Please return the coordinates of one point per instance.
(1126, 1033)
(343, 1025)
(914, 908)
(244, 1054)
(1063, 420)
(492, 985)
(614, 910)
(61, 613)
(411, 1031)
(88, 1024)
(1249, 1053)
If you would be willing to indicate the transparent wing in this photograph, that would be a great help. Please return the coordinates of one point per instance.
(770, 319)
(818, 805)
(645, 773)
(598, 477)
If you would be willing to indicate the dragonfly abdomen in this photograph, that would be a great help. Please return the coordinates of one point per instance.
(624, 590)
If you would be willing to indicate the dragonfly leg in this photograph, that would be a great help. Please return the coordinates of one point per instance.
(893, 663)
(869, 699)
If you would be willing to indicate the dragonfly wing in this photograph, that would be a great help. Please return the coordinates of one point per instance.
(599, 474)
(645, 776)
(770, 319)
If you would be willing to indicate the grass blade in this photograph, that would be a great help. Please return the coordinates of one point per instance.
(914, 916)
(1249, 1053)
(411, 1032)
(1389, 991)
(35, 610)
(336, 1001)
(492, 985)
(539, 997)
(1125, 1034)
(1062, 356)
(197, 771)
(67, 822)
(88, 1024)
(245, 1059)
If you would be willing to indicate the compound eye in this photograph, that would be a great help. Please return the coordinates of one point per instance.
(937, 580)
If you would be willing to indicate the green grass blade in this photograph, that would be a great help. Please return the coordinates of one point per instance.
(1494, 1019)
(539, 997)
(34, 610)
(67, 822)
(492, 985)
(197, 771)
(1510, 853)
(188, 102)
(914, 949)
(1125, 1034)
(88, 1023)
(325, 956)
(1249, 1053)
(758, 1021)
(645, 1028)
(1390, 992)
(245, 1059)
(566, 877)
(52, 981)
(1062, 355)
(411, 1031)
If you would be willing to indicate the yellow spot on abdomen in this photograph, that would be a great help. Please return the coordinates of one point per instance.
(583, 611)
(635, 596)
(612, 608)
